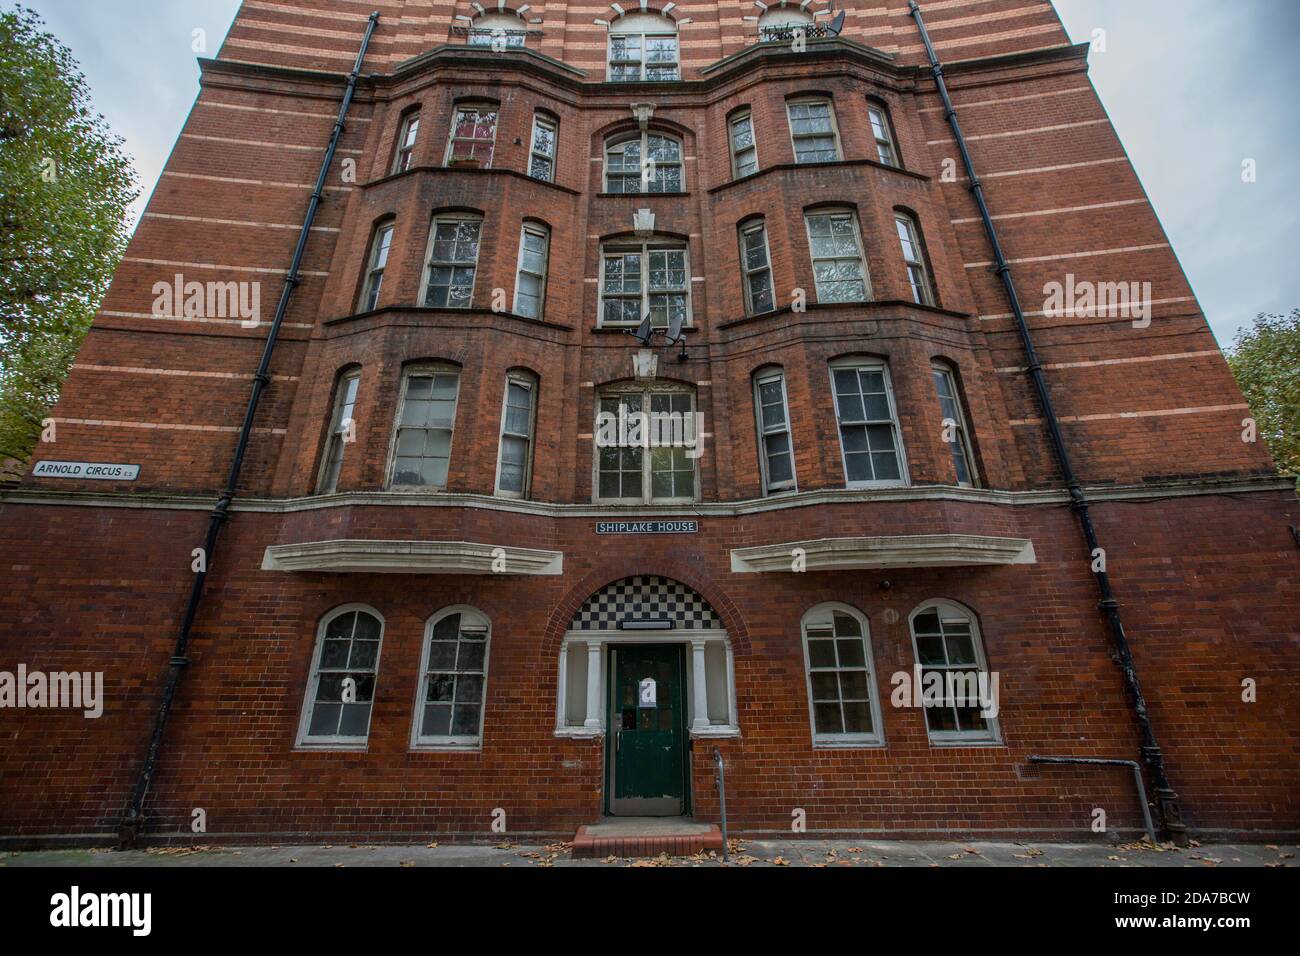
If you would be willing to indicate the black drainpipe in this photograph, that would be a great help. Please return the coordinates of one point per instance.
(131, 823)
(1166, 798)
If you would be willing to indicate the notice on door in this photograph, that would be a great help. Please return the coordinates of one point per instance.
(86, 470)
(649, 695)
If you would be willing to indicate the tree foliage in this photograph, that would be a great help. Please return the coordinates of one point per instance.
(1266, 360)
(65, 185)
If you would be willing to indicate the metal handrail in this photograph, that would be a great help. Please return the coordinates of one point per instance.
(720, 778)
(1106, 762)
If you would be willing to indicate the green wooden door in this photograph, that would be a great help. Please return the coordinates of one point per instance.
(647, 738)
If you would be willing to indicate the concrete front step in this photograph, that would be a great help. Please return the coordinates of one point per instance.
(646, 836)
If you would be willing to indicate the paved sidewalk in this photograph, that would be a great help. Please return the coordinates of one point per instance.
(762, 853)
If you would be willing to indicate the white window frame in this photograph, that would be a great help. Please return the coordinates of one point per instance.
(962, 430)
(528, 381)
(453, 139)
(744, 116)
(533, 229)
(761, 378)
(646, 174)
(622, 27)
(544, 121)
(408, 135)
(908, 222)
(450, 741)
(335, 742)
(647, 471)
(813, 258)
(644, 248)
(823, 615)
(875, 365)
(341, 423)
(882, 132)
(381, 246)
(426, 280)
(992, 735)
(747, 228)
(794, 138)
(415, 371)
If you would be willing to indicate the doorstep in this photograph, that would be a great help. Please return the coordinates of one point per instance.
(646, 836)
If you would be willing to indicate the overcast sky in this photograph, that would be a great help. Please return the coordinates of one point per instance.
(1194, 87)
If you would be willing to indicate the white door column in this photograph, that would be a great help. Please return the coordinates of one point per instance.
(701, 697)
(593, 721)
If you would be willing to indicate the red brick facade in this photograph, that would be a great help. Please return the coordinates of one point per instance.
(1194, 523)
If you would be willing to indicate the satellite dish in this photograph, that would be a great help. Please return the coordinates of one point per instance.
(675, 328)
(643, 331)
(836, 25)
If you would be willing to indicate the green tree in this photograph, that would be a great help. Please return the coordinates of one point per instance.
(65, 185)
(1266, 360)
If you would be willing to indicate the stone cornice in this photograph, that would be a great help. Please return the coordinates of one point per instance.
(752, 58)
(411, 557)
(709, 509)
(878, 553)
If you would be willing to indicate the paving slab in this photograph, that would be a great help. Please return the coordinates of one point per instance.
(744, 853)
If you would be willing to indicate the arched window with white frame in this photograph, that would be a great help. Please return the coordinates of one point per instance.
(644, 161)
(641, 277)
(498, 30)
(530, 280)
(843, 702)
(341, 687)
(870, 440)
(518, 418)
(451, 260)
(452, 690)
(643, 47)
(963, 706)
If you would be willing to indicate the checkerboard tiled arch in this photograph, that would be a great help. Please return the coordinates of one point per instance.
(646, 597)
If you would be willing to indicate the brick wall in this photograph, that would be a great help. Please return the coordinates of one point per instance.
(1208, 583)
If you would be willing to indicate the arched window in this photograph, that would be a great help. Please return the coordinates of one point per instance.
(407, 134)
(451, 261)
(744, 150)
(646, 444)
(643, 46)
(883, 132)
(453, 680)
(918, 274)
(813, 130)
(473, 135)
(541, 158)
(645, 277)
(756, 267)
(959, 695)
(955, 431)
(426, 419)
(835, 245)
(341, 688)
(497, 30)
(644, 162)
(868, 421)
(518, 414)
(843, 704)
(376, 265)
(342, 431)
(530, 280)
(772, 412)
(781, 23)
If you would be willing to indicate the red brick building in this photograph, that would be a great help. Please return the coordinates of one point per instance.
(445, 596)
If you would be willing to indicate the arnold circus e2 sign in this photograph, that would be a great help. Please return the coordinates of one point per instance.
(647, 527)
(86, 470)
